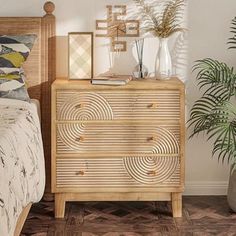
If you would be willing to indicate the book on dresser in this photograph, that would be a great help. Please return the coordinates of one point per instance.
(111, 80)
(118, 143)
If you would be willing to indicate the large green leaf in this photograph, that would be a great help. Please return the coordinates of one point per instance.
(204, 113)
(216, 78)
(232, 40)
(213, 113)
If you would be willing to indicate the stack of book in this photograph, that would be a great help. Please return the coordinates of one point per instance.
(112, 80)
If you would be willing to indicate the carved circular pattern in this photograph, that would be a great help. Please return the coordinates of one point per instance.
(86, 106)
(165, 142)
(153, 170)
(70, 134)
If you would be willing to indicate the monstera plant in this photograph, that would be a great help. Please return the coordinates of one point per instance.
(215, 112)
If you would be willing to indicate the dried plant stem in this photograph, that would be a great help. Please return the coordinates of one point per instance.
(165, 23)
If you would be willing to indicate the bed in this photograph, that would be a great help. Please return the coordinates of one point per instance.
(23, 126)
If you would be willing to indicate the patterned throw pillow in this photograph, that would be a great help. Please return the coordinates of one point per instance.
(14, 50)
(12, 85)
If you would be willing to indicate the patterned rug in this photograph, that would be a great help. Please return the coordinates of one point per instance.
(205, 215)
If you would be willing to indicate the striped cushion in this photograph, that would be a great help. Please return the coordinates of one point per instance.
(14, 50)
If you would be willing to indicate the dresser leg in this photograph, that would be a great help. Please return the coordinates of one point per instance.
(59, 205)
(176, 199)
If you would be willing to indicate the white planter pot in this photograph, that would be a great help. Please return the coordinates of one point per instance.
(232, 191)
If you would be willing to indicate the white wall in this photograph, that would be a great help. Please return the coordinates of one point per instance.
(209, 22)
(80, 15)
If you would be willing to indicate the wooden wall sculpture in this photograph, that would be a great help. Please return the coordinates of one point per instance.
(116, 26)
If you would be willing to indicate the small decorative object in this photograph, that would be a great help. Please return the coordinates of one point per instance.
(214, 114)
(140, 70)
(80, 55)
(116, 26)
(162, 25)
(112, 79)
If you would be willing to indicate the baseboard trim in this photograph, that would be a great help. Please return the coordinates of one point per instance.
(206, 188)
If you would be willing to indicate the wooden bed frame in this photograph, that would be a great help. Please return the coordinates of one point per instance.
(40, 70)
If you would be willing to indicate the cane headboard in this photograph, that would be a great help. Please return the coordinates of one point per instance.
(40, 66)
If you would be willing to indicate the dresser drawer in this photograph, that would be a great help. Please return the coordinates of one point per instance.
(119, 172)
(118, 142)
(129, 104)
(113, 137)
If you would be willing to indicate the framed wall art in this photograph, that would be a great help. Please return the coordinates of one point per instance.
(80, 55)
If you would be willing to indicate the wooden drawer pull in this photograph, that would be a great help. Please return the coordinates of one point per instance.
(79, 106)
(79, 173)
(152, 173)
(153, 105)
(79, 139)
(149, 139)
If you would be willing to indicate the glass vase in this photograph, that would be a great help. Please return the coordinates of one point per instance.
(140, 71)
(164, 63)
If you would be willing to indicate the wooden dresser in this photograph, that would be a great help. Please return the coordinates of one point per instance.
(118, 143)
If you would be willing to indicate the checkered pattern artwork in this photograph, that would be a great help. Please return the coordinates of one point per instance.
(80, 55)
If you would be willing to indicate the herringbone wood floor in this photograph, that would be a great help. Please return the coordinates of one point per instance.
(203, 215)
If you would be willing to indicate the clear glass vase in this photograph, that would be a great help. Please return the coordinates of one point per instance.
(140, 71)
(163, 63)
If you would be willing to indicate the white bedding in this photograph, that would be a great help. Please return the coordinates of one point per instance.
(36, 103)
(22, 170)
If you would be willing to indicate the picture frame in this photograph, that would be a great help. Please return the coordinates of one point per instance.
(80, 45)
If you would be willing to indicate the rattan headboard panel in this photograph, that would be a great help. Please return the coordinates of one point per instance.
(32, 67)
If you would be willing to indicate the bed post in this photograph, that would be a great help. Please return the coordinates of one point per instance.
(48, 76)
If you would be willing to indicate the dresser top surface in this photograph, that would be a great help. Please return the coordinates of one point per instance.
(173, 83)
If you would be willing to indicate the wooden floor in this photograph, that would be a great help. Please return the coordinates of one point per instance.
(206, 215)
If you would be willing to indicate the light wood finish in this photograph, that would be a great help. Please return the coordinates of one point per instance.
(176, 199)
(127, 196)
(21, 219)
(60, 202)
(94, 137)
(62, 198)
(48, 63)
(120, 173)
(136, 105)
(40, 73)
(118, 142)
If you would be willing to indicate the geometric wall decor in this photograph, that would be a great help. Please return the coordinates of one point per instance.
(115, 26)
(80, 55)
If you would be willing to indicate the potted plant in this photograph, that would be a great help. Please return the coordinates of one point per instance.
(215, 112)
(162, 24)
